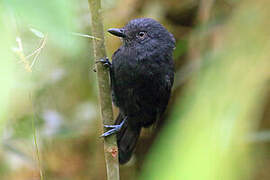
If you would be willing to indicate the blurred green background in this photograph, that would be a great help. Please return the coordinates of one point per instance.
(217, 125)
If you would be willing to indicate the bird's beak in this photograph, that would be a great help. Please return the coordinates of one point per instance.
(117, 32)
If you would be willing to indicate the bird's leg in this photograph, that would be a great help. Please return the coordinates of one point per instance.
(105, 62)
(115, 128)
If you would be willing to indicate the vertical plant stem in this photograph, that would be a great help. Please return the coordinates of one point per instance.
(35, 139)
(28, 68)
(36, 147)
(110, 145)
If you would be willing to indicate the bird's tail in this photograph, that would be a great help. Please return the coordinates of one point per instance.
(126, 139)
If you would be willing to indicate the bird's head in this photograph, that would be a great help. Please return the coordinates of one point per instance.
(145, 34)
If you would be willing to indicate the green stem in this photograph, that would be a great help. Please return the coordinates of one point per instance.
(35, 140)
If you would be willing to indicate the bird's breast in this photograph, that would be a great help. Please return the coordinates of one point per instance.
(135, 71)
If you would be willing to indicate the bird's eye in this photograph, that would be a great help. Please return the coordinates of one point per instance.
(141, 35)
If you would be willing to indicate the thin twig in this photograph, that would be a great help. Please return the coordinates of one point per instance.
(28, 67)
(35, 141)
(21, 55)
(37, 51)
(42, 42)
(85, 35)
(24, 58)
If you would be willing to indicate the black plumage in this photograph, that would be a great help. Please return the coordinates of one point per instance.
(142, 74)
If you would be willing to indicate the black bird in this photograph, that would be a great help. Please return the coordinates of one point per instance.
(142, 74)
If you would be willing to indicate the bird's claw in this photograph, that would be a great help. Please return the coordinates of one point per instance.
(115, 129)
(105, 62)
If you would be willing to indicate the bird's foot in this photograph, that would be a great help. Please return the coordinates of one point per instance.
(105, 62)
(114, 129)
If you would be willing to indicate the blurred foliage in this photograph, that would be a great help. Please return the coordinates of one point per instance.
(206, 138)
(216, 125)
